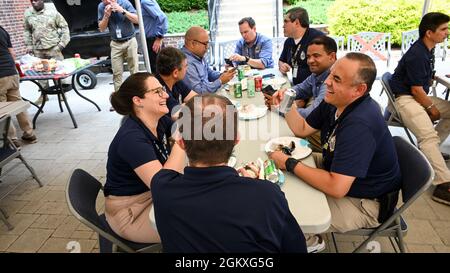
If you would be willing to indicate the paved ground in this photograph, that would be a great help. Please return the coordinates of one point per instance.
(43, 222)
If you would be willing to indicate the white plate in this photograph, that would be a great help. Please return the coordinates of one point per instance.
(300, 151)
(258, 112)
(275, 82)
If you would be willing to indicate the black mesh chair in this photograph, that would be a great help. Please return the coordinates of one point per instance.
(392, 116)
(9, 152)
(417, 175)
(81, 195)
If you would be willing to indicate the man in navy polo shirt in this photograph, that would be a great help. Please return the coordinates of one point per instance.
(293, 57)
(210, 208)
(358, 163)
(254, 48)
(119, 16)
(171, 65)
(411, 83)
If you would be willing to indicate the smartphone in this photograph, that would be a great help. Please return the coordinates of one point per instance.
(229, 62)
(268, 76)
(268, 90)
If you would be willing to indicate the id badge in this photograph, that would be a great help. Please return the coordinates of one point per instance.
(294, 71)
(118, 33)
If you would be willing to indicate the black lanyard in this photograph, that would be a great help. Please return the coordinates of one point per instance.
(161, 146)
(330, 139)
(294, 56)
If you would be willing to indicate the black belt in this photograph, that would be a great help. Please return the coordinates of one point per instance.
(124, 40)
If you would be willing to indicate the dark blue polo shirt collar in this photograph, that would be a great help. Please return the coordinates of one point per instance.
(211, 174)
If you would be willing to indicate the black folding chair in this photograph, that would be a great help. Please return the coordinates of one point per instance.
(417, 175)
(9, 152)
(393, 117)
(81, 195)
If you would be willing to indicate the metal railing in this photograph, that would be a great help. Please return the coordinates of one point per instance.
(213, 14)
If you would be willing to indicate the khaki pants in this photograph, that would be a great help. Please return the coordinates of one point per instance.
(121, 51)
(416, 119)
(349, 213)
(9, 91)
(129, 217)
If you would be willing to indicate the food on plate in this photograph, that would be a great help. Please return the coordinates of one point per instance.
(286, 149)
(44, 65)
(247, 108)
(251, 169)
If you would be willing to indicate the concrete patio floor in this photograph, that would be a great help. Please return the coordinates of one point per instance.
(43, 223)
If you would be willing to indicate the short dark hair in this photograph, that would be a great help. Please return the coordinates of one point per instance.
(249, 20)
(168, 59)
(367, 71)
(134, 85)
(329, 44)
(301, 14)
(431, 21)
(212, 151)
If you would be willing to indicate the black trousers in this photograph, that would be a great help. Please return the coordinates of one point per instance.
(152, 54)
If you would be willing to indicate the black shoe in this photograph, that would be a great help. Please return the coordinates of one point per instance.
(446, 156)
(442, 194)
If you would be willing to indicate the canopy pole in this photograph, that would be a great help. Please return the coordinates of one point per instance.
(426, 5)
(142, 34)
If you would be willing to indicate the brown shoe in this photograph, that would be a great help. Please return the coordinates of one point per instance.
(441, 193)
(16, 142)
(29, 138)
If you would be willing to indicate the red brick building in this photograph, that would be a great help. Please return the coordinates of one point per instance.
(11, 18)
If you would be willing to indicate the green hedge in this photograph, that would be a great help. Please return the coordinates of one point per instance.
(180, 22)
(182, 5)
(350, 17)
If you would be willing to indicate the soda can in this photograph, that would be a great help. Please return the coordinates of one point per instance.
(258, 83)
(250, 87)
(238, 90)
(240, 72)
(286, 103)
(270, 170)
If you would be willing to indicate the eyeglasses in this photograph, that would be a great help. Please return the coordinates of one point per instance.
(203, 43)
(159, 90)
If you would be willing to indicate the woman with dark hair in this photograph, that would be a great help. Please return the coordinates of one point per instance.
(138, 151)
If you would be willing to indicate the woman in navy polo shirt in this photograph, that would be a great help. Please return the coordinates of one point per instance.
(138, 151)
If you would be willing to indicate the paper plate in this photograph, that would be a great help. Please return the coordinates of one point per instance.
(300, 151)
(258, 112)
(275, 82)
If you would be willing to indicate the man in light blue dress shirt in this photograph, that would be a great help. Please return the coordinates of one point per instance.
(254, 48)
(321, 55)
(200, 77)
(156, 25)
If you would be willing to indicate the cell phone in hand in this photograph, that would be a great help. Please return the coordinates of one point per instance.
(268, 90)
(229, 62)
(268, 76)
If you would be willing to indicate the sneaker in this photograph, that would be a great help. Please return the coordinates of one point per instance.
(446, 156)
(315, 244)
(29, 138)
(441, 193)
(16, 142)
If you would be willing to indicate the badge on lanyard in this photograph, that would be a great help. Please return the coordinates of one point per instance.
(294, 71)
(302, 55)
(257, 49)
(118, 33)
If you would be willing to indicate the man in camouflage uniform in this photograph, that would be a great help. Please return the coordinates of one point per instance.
(46, 32)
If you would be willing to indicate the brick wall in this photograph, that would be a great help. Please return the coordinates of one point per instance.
(11, 18)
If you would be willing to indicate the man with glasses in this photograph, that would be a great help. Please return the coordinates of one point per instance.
(254, 48)
(293, 57)
(411, 83)
(199, 76)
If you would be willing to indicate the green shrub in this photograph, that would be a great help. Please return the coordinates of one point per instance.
(182, 5)
(317, 9)
(350, 17)
(290, 2)
(180, 22)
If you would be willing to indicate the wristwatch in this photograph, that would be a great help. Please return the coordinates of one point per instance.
(246, 59)
(290, 164)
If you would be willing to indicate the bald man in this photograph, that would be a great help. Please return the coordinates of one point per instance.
(199, 76)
